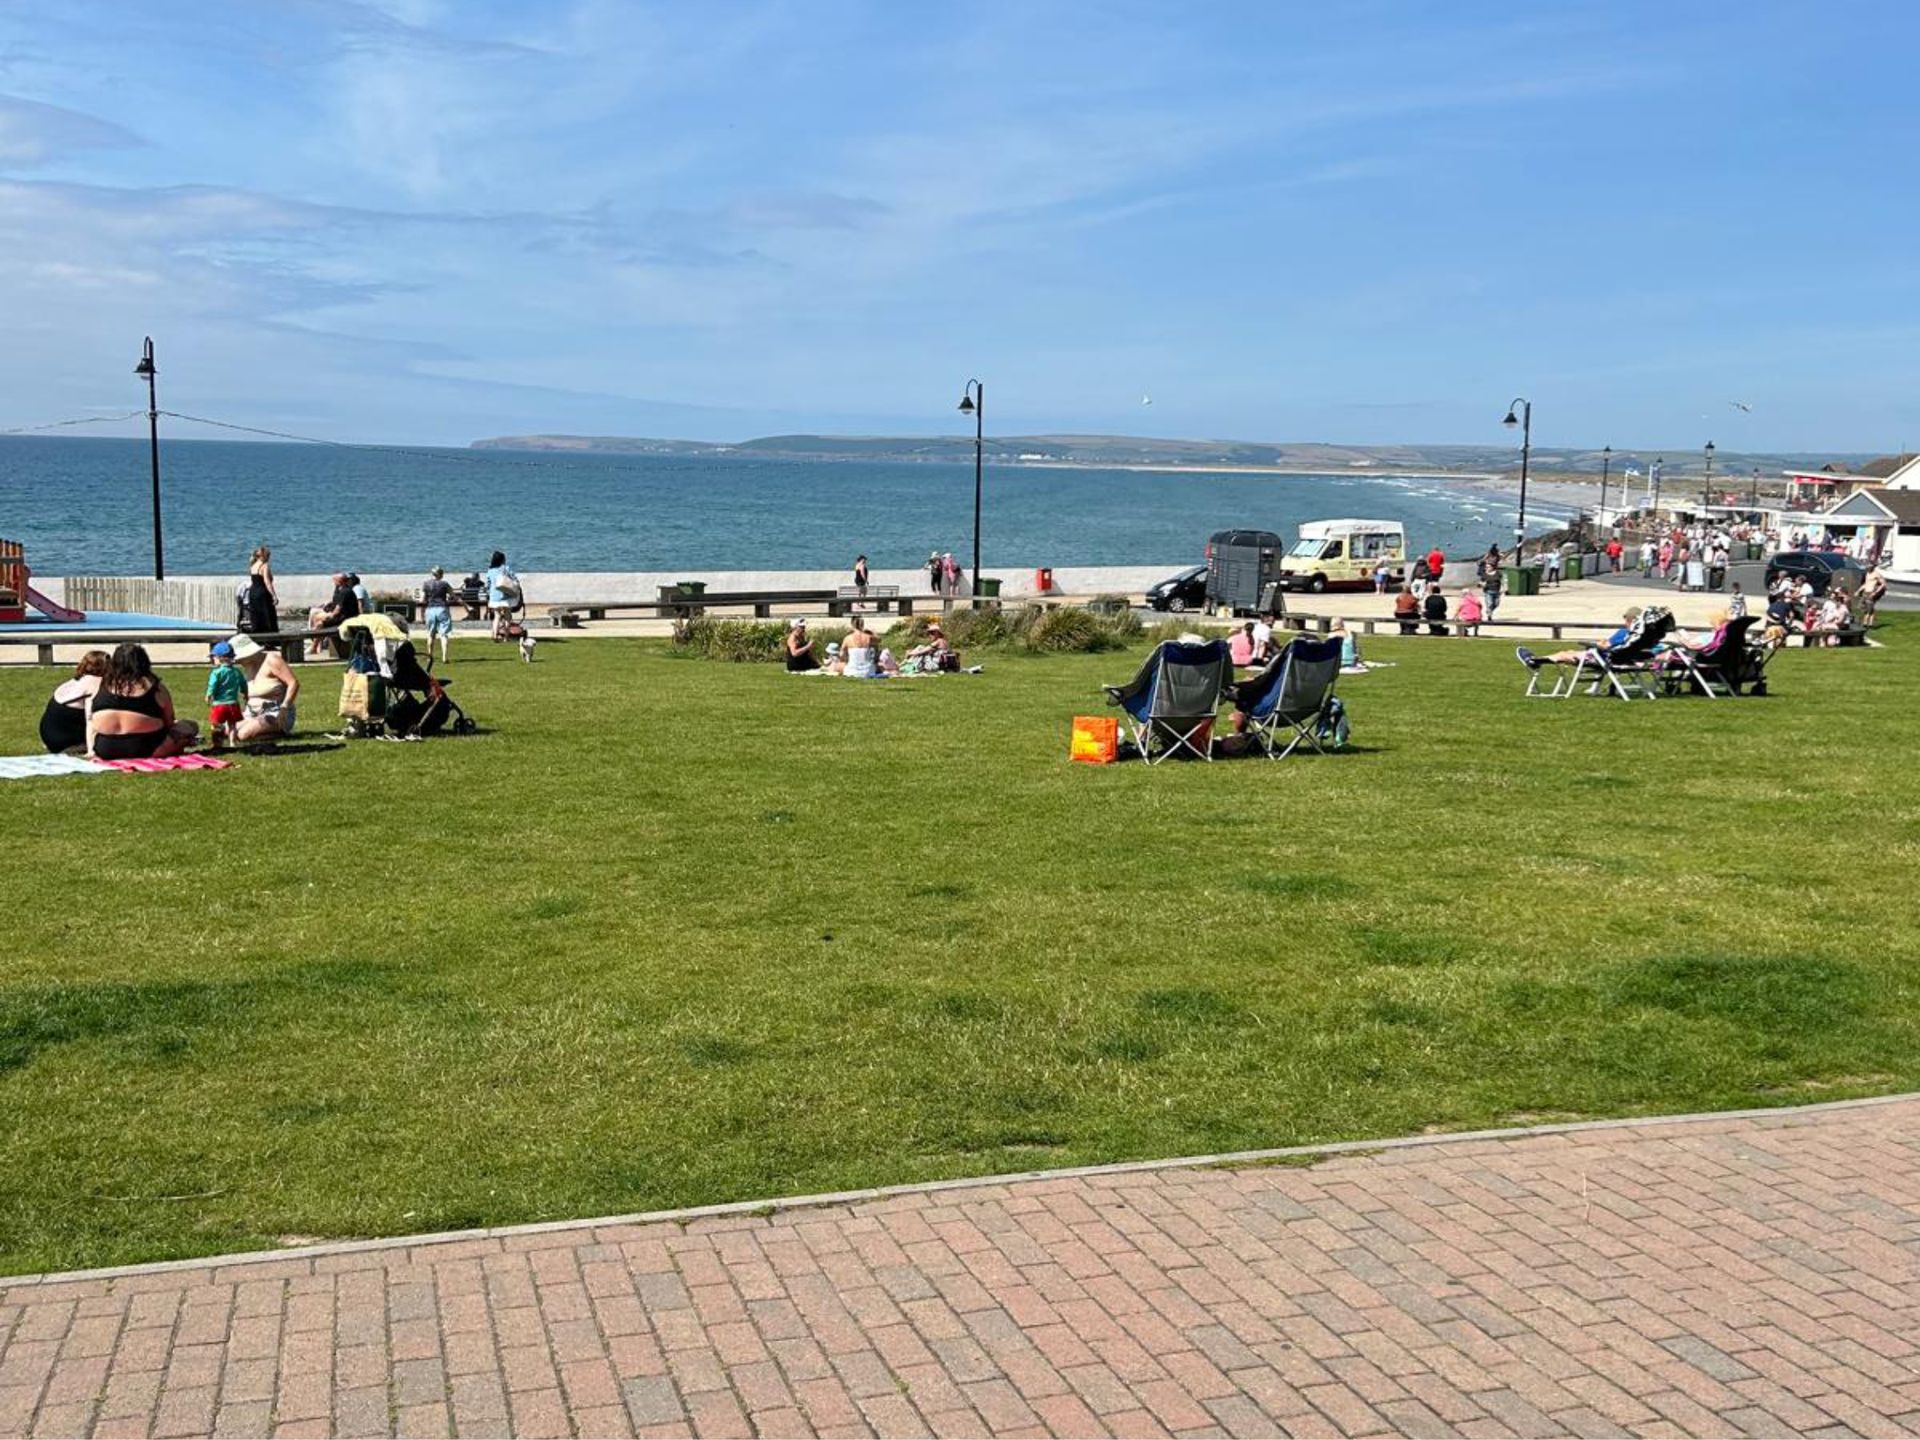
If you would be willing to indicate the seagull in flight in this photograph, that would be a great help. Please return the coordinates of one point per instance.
(1741, 406)
(1146, 399)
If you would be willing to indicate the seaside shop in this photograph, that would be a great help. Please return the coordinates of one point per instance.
(1889, 518)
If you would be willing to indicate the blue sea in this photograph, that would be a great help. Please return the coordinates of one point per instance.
(83, 506)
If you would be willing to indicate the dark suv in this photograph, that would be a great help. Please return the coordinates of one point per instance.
(1185, 591)
(1821, 567)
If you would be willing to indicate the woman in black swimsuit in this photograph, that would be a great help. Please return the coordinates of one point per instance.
(131, 715)
(63, 724)
(263, 601)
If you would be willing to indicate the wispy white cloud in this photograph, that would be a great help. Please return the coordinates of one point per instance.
(32, 132)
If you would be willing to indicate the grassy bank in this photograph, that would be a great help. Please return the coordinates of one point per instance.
(678, 931)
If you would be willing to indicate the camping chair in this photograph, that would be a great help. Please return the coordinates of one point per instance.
(1720, 669)
(1631, 669)
(1175, 693)
(1289, 700)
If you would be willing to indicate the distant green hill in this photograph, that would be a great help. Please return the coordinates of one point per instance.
(1145, 450)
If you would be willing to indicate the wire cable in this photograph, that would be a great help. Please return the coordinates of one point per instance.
(82, 420)
(458, 457)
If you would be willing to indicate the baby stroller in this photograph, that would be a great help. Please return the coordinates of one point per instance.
(387, 693)
(417, 702)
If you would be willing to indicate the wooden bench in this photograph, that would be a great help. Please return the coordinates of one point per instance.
(292, 643)
(1845, 634)
(873, 597)
(681, 605)
(1390, 625)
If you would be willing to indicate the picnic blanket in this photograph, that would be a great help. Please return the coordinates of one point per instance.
(28, 767)
(171, 762)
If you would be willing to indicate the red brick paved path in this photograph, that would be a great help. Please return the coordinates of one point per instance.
(1715, 1277)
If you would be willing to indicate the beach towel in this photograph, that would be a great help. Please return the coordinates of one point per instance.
(171, 762)
(29, 767)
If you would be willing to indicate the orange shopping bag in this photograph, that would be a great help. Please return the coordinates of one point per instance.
(1096, 739)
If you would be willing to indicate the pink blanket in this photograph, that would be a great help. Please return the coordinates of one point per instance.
(172, 762)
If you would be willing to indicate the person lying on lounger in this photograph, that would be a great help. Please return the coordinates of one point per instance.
(1585, 652)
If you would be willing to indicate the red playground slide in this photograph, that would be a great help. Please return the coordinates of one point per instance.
(54, 610)
(17, 592)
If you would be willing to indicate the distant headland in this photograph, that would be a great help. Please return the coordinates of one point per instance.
(1145, 452)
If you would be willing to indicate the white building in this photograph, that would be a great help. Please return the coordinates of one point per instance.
(1892, 514)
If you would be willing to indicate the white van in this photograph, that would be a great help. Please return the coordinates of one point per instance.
(1343, 554)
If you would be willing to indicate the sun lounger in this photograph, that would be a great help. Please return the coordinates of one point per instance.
(1723, 669)
(1630, 669)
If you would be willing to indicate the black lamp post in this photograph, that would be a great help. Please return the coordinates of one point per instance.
(145, 367)
(1525, 421)
(1606, 463)
(1753, 498)
(1658, 462)
(973, 401)
(1706, 486)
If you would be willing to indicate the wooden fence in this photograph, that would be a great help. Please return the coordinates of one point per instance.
(209, 600)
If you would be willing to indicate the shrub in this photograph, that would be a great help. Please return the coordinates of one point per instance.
(744, 640)
(1047, 629)
(1115, 613)
(1069, 628)
(971, 629)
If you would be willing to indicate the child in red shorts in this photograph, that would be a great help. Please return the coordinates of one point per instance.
(226, 696)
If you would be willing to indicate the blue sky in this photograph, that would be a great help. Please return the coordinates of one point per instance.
(425, 221)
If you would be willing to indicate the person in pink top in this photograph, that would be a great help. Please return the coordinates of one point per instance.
(1241, 649)
(1470, 612)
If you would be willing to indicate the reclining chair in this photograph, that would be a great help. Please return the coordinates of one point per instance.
(1290, 699)
(1724, 668)
(1175, 695)
(1632, 668)
(1629, 669)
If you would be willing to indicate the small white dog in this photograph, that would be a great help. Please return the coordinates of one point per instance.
(526, 647)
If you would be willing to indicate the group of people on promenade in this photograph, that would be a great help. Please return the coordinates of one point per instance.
(1692, 557)
(946, 577)
(1423, 599)
(499, 586)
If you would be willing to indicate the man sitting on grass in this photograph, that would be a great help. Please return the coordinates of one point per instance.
(1585, 652)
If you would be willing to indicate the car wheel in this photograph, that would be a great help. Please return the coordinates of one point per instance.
(1178, 604)
(1318, 585)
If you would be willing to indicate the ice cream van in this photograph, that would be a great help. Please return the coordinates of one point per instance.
(1343, 555)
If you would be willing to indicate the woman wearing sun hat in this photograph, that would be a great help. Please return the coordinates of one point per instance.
(800, 648)
(272, 691)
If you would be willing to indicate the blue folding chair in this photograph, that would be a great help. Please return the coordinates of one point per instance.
(1174, 697)
(1292, 698)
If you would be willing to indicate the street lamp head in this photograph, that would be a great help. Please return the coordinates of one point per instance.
(145, 367)
(1606, 450)
(966, 404)
(1511, 420)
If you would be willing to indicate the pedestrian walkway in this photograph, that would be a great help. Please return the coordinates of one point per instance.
(1732, 1274)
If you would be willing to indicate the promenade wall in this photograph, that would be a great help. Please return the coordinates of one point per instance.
(211, 597)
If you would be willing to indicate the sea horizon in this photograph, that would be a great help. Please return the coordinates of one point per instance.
(82, 505)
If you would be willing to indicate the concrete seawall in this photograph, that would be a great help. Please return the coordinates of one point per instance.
(191, 596)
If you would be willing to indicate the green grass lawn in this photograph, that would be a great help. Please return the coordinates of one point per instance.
(677, 931)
